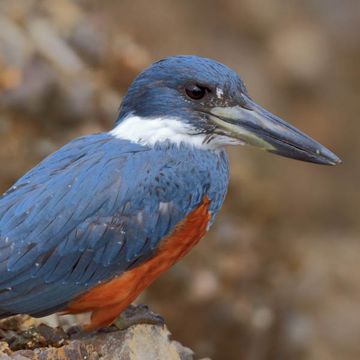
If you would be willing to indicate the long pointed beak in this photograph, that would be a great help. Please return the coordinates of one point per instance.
(251, 124)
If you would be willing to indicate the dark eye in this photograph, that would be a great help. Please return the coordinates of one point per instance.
(195, 92)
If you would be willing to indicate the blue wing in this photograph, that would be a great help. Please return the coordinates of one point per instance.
(94, 209)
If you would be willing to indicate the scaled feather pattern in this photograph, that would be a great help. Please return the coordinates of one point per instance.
(93, 210)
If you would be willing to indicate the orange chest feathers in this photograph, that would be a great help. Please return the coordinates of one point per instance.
(122, 290)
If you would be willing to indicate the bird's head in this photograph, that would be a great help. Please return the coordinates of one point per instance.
(202, 102)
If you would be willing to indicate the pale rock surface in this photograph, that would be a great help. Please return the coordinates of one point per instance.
(22, 339)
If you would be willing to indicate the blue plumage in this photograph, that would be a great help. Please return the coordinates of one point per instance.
(102, 205)
(84, 215)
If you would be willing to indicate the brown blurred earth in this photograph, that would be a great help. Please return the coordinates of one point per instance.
(277, 277)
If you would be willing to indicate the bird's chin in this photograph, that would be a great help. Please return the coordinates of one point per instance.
(221, 138)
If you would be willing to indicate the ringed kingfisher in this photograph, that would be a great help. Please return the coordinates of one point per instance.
(95, 223)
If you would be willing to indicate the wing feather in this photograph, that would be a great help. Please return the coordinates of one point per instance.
(94, 209)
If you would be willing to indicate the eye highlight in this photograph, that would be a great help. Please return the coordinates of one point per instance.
(196, 92)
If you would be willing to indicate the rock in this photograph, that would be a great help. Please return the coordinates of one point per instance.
(53, 47)
(146, 342)
(139, 342)
(303, 52)
(15, 49)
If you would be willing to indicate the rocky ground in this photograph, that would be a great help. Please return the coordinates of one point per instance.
(23, 338)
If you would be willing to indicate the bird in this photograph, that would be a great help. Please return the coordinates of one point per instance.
(96, 222)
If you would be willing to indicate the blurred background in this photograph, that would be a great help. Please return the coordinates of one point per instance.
(278, 275)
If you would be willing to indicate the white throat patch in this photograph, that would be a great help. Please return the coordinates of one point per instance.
(149, 131)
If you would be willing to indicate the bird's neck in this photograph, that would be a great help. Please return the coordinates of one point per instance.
(151, 131)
